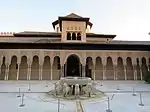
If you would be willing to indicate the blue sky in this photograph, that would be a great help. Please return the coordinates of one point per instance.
(128, 19)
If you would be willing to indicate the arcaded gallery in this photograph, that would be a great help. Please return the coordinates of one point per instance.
(72, 50)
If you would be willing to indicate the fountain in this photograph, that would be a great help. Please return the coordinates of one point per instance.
(75, 88)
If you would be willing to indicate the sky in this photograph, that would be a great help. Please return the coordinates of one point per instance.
(128, 19)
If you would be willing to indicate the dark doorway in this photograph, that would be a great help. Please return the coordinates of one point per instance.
(73, 63)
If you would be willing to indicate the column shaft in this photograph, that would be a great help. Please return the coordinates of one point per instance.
(18, 71)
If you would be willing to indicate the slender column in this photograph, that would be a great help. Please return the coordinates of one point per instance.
(104, 62)
(29, 72)
(103, 72)
(115, 72)
(18, 71)
(62, 71)
(83, 70)
(141, 73)
(40, 71)
(125, 71)
(93, 69)
(51, 71)
(134, 72)
(93, 72)
(80, 67)
(7, 71)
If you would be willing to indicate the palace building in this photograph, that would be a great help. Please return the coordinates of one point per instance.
(71, 50)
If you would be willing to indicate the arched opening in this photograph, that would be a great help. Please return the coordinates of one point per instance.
(79, 36)
(68, 36)
(99, 69)
(109, 69)
(56, 68)
(120, 69)
(144, 67)
(89, 66)
(73, 36)
(130, 75)
(35, 68)
(46, 68)
(3, 68)
(138, 69)
(23, 68)
(73, 66)
(13, 69)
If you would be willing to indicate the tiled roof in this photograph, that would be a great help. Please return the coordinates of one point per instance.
(73, 15)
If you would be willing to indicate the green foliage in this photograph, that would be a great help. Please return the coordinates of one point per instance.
(147, 77)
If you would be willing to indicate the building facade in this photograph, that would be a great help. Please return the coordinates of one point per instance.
(72, 50)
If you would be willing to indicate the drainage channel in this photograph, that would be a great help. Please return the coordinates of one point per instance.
(79, 107)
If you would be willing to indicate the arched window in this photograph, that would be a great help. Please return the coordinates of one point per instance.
(68, 36)
(73, 36)
(79, 36)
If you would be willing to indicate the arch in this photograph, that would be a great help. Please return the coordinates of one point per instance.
(129, 69)
(13, 67)
(98, 69)
(3, 69)
(78, 36)
(78, 55)
(138, 69)
(35, 68)
(144, 67)
(89, 67)
(109, 69)
(120, 69)
(56, 68)
(46, 68)
(73, 66)
(23, 68)
(68, 36)
(73, 36)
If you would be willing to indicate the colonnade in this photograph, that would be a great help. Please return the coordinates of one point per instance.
(42, 66)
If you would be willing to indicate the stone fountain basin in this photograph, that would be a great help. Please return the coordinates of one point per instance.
(76, 80)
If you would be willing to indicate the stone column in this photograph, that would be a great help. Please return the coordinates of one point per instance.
(51, 60)
(18, 63)
(62, 71)
(104, 62)
(51, 71)
(40, 71)
(29, 68)
(125, 68)
(115, 72)
(134, 67)
(7, 71)
(141, 73)
(93, 69)
(83, 70)
(147, 63)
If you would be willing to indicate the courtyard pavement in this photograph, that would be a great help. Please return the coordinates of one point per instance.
(119, 92)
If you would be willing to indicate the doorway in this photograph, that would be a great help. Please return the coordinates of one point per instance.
(73, 66)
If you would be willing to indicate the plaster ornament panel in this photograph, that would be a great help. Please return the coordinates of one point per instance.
(35, 53)
(2, 53)
(25, 53)
(56, 53)
(90, 54)
(47, 53)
